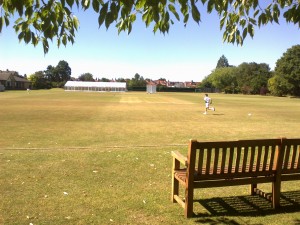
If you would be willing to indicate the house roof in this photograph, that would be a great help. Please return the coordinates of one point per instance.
(4, 75)
(21, 79)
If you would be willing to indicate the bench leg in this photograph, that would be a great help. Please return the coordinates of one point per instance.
(175, 182)
(276, 186)
(253, 189)
(189, 201)
(175, 188)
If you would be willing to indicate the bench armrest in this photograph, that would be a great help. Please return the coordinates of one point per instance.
(179, 157)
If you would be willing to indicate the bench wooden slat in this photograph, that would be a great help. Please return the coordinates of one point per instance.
(293, 157)
(224, 153)
(286, 157)
(245, 160)
(216, 160)
(230, 160)
(208, 159)
(272, 158)
(266, 157)
(298, 159)
(233, 182)
(200, 161)
(252, 155)
(258, 157)
(237, 159)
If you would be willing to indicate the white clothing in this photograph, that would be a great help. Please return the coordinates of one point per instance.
(207, 101)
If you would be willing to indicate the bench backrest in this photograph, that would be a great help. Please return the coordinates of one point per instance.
(291, 157)
(207, 160)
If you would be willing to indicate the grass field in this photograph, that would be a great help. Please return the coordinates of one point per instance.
(104, 158)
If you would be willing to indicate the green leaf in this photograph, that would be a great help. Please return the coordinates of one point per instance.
(195, 13)
(276, 13)
(253, 21)
(58, 42)
(114, 10)
(102, 15)
(245, 32)
(45, 45)
(255, 4)
(222, 22)
(60, 18)
(129, 28)
(85, 4)
(155, 14)
(243, 22)
(155, 28)
(186, 18)
(75, 22)
(140, 4)
(1, 23)
(19, 7)
(255, 13)
(173, 10)
(96, 5)
(6, 20)
(70, 2)
(29, 11)
(262, 19)
(210, 6)
(21, 35)
(250, 30)
(239, 39)
(109, 19)
(34, 39)
(64, 40)
(132, 18)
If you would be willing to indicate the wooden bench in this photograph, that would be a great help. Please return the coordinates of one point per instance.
(230, 163)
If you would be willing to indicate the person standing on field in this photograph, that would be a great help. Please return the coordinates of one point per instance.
(208, 101)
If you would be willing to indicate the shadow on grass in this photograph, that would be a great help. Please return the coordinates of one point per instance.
(247, 206)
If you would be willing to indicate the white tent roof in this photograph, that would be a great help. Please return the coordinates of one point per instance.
(95, 84)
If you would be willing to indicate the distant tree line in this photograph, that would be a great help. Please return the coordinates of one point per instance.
(254, 78)
(52, 77)
(57, 76)
(246, 78)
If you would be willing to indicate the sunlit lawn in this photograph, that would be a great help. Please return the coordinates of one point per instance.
(104, 158)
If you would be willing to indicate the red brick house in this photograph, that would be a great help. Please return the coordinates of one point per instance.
(11, 80)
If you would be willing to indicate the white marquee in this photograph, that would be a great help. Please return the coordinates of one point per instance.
(95, 86)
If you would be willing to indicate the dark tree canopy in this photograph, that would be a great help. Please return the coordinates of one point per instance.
(287, 73)
(86, 77)
(59, 74)
(222, 62)
(247, 78)
(40, 21)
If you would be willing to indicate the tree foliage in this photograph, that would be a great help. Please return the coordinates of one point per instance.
(224, 79)
(222, 62)
(39, 80)
(252, 77)
(86, 77)
(247, 78)
(286, 80)
(137, 81)
(58, 75)
(38, 21)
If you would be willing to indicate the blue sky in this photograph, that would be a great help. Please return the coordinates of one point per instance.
(184, 54)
